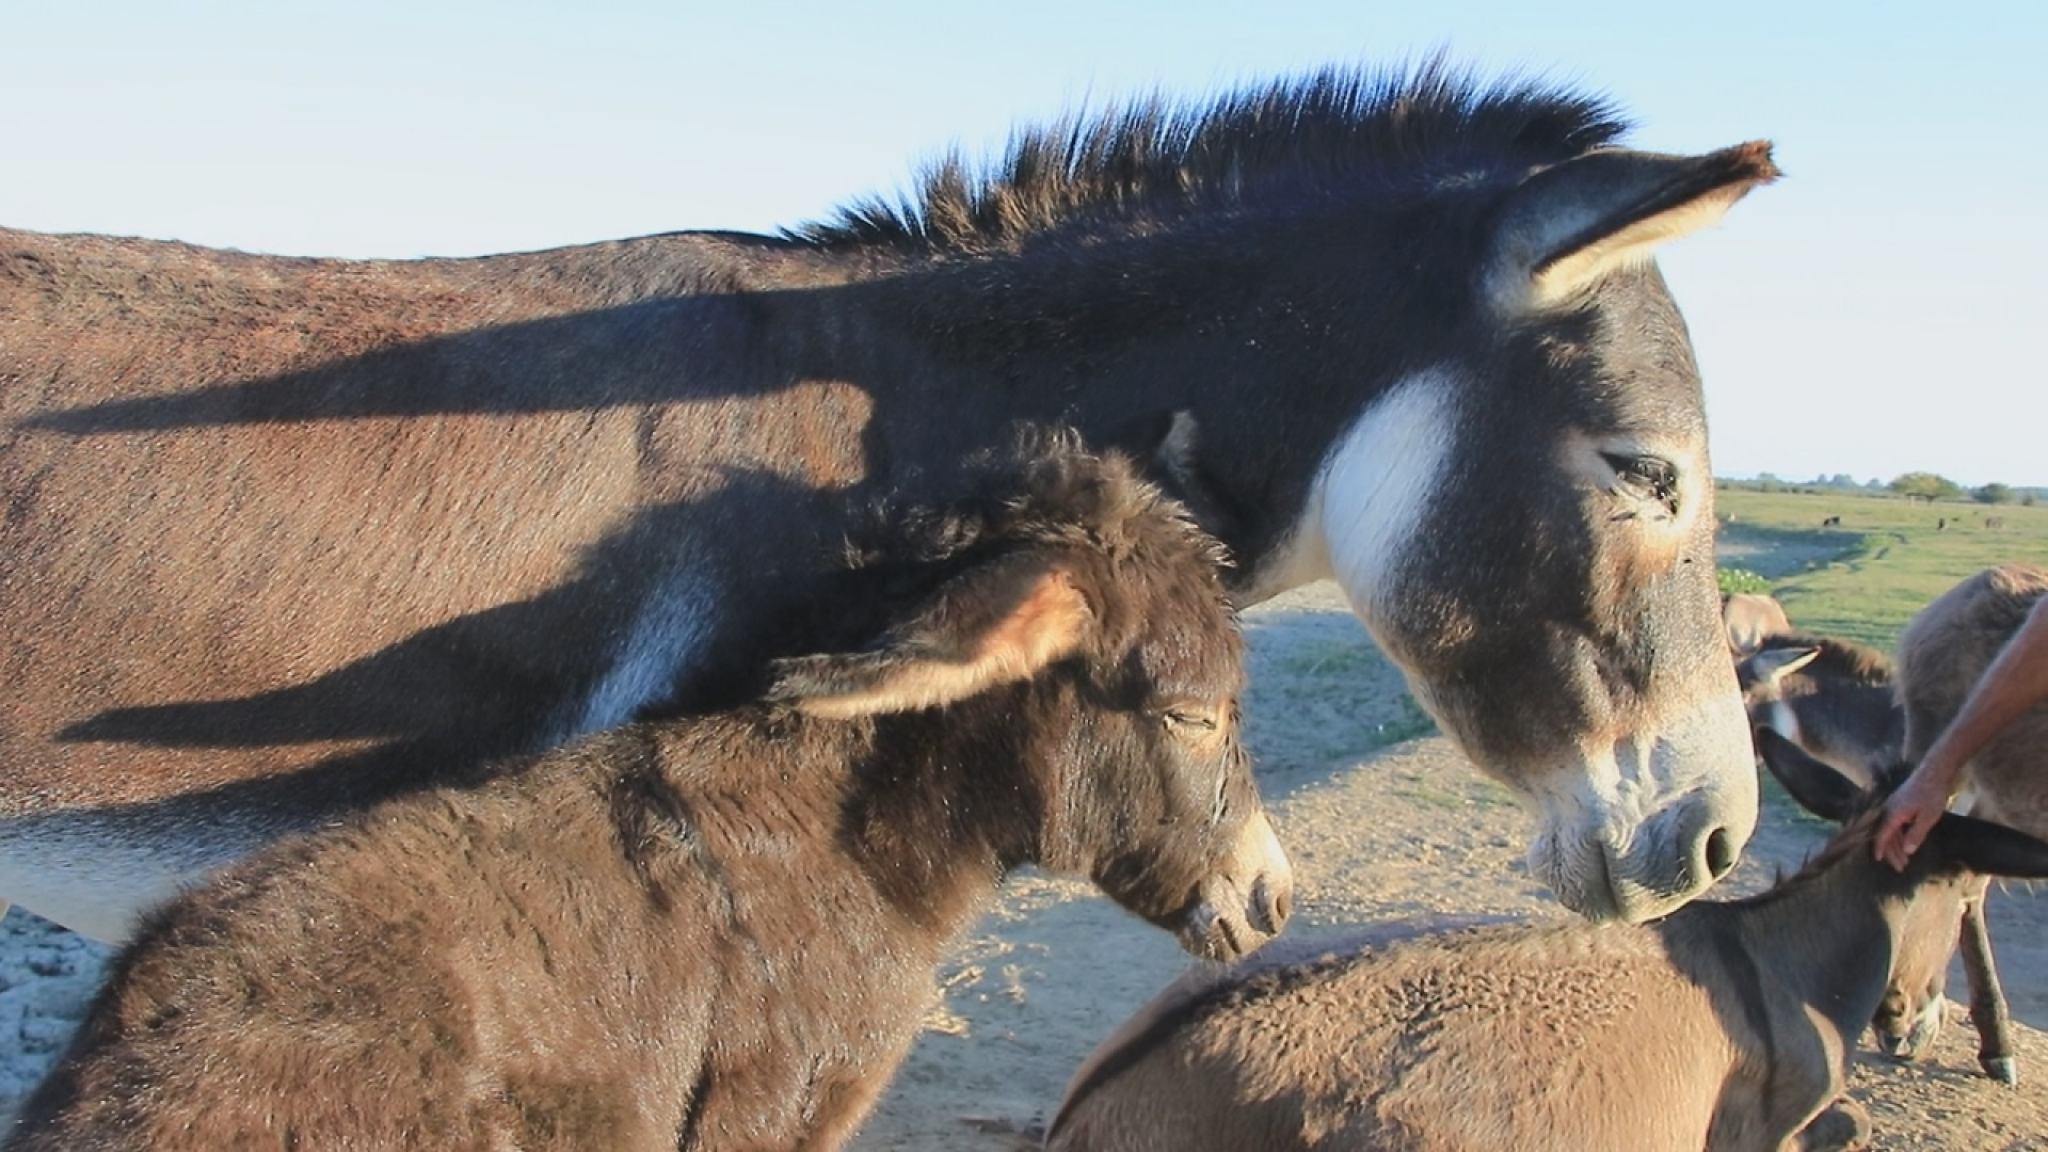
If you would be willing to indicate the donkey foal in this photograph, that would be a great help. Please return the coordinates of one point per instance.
(1725, 1026)
(719, 932)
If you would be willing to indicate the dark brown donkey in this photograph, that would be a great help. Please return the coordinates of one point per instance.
(719, 932)
(1725, 1026)
(1943, 651)
(282, 536)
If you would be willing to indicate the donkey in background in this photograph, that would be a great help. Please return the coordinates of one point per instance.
(1836, 699)
(1942, 654)
(720, 932)
(1725, 1026)
(1749, 617)
(288, 536)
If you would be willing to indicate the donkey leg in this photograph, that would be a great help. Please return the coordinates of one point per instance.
(1987, 997)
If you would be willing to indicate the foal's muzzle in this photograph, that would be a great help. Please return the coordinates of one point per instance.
(1244, 903)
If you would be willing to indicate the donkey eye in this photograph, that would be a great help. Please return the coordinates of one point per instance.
(1651, 479)
(1189, 721)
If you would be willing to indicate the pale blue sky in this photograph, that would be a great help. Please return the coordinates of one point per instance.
(1880, 310)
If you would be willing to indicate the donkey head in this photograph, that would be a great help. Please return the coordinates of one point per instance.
(1525, 522)
(1951, 868)
(1831, 697)
(1093, 640)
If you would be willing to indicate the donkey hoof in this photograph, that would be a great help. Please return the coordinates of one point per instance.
(2004, 1069)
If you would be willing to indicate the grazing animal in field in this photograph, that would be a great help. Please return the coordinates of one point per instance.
(1831, 522)
(1834, 698)
(1749, 617)
(719, 931)
(287, 536)
(1724, 1026)
(1942, 654)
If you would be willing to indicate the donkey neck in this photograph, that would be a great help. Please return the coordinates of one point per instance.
(937, 808)
(1117, 334)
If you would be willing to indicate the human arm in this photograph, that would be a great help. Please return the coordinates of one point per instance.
(2016, 681)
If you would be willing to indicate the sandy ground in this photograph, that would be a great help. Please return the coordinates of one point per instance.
(1380, 826)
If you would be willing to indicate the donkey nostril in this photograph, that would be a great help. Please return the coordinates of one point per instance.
(1270, 908)
(1720, 852)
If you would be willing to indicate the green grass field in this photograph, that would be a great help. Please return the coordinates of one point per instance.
(1863, 579)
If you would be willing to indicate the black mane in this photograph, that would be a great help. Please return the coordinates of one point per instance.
(1331, 131)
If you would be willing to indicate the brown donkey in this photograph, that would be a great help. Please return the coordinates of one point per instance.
(285, 537)
(1749, 617)
(1942, 653)
(1726, 1026)
(719, 932)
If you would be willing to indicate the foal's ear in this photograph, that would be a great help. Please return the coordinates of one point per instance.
(1816, 786)
(1569, 225)
(1988, 848)
(1774, 664)
(994, 624)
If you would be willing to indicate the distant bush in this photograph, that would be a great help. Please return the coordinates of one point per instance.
(1733, 580)
(1927, 486)
(1992, 493)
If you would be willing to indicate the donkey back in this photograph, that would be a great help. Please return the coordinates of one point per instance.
(1725, 1026)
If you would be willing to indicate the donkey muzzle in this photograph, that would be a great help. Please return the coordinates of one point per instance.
(1246, 902)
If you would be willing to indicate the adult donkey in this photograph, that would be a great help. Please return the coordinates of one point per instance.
(281, 533)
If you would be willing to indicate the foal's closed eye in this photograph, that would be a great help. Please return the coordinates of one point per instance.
(1189, 721)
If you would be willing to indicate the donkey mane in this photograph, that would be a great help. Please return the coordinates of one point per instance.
(1322, 133)
(1047, 488)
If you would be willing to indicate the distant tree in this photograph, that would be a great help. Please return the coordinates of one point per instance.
(1768, 482)
(1992, 493)
(2027, 501)
(1927, 486)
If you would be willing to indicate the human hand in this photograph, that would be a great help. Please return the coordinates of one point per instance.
(1909, 815)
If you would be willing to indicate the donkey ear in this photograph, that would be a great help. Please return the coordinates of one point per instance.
(1569, 225)
(1988, 848)
(1817, 787)
(991, 625)
(1774, 664)
(1167, 448)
